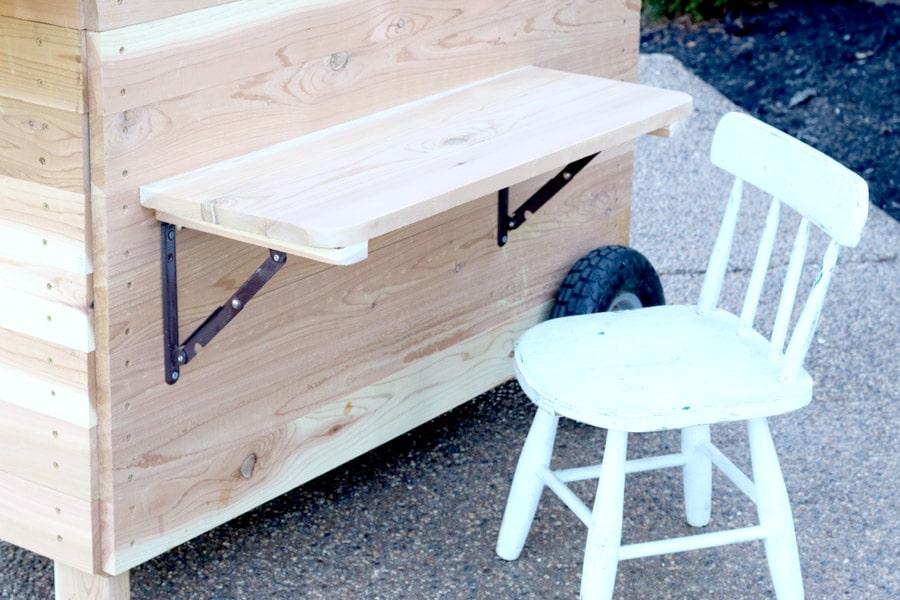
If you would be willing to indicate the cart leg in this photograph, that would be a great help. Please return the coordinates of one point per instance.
(73, 584)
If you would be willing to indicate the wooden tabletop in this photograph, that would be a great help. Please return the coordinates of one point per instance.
(333, 190)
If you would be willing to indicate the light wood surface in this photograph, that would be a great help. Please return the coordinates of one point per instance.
(64, 13)
(41, 63)
(362, 179)
(49, 522)
(74, 584)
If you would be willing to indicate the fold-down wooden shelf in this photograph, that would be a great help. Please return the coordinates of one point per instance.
(325, 195)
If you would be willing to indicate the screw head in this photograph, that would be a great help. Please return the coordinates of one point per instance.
(236, 303)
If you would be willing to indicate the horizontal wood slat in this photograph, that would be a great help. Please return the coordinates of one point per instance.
(42, 210)
(64, 13)
(49, 522)
(42, 449)
(386, 171)
(43, 145)
(111, 14)
(58, 367)
(42, 64)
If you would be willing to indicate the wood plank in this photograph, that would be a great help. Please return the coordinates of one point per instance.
(48, 451)
(67, 401)
(44, 145)
(64, 13)
(41, 64)
(49, 522)
(142, 64)
(391, 169)
(112, 14)
(45, 319)
(57, 366)
(44, 283)
(39, 209)
(149, 142)
(73, 584)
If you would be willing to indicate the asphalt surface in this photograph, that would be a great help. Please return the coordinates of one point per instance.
(418, 517)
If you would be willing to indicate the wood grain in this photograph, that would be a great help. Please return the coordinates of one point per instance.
(73, 584)
(391, 169)
(42, 64)
(112, 14)
(49, 522)
(63, 13)
(48, 451)
(48, 212)
(229, 117)
(44, 145)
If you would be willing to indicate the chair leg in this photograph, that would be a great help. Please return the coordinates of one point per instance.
(526, 489)
(697, 476)
(774, 510)
(601, 555)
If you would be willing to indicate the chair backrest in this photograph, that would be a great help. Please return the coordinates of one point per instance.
(824, 192)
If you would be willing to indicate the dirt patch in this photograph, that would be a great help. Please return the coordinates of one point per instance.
(826, 71)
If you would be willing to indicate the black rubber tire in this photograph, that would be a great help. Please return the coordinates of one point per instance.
(611, 277)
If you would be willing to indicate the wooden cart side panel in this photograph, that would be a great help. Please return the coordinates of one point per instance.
(314, 334)
(267, 94)
(49, 522)
(279, 459)
(426, 305)
(42, 64)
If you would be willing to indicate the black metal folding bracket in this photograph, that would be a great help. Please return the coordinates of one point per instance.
(177, 354)
(507, 222)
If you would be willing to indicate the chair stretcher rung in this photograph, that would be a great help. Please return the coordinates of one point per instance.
(732, 471)
(692, 542)
(565, 494)
(638, 465)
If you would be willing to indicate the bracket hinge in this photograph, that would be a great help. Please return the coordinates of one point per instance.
(507, 222)
(177, 354)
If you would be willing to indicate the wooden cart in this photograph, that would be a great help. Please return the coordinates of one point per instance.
(354, 178)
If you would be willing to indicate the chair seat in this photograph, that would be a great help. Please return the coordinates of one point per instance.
(664, 367)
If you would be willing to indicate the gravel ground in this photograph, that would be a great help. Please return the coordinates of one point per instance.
(826, 71)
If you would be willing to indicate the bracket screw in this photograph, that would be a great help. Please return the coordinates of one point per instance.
(236, 303)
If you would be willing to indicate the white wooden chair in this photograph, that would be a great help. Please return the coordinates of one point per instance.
(687, 367)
